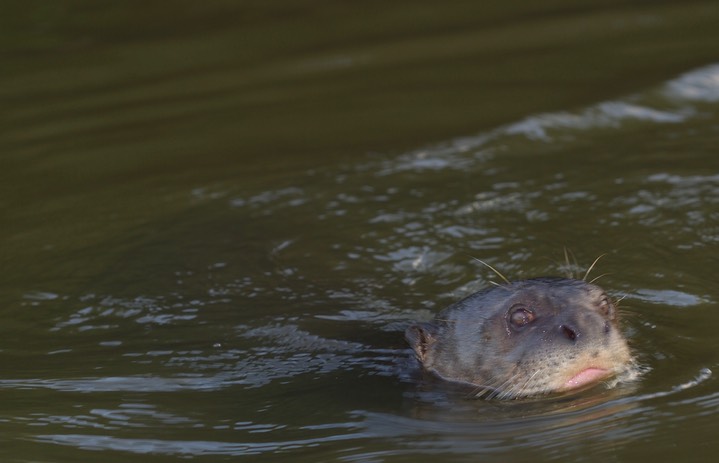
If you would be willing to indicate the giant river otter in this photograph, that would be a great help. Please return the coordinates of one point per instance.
(525, 338)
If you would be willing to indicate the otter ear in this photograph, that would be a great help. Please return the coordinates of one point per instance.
(420, 337)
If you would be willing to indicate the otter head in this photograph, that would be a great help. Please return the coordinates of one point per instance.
(526, 338)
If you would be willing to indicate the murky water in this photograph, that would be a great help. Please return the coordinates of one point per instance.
(217, 222)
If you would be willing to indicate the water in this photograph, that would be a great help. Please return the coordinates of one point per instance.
(218, 220)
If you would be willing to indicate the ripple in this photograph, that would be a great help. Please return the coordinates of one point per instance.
(668, 297)
(40, 296)
(698, 85)
(609, 114)
(122, 384)
(673, 107)
(106, 313)
(188, 447)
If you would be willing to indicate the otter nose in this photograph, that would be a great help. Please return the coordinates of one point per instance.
(568, 332)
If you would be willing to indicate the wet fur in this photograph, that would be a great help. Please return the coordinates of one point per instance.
(473, 342)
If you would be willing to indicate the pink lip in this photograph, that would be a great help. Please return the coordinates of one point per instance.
(586, 376)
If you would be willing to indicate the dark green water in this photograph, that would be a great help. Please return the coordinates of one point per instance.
(218, 217)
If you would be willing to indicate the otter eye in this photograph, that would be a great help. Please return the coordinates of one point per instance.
(521, 317)
(606, 308)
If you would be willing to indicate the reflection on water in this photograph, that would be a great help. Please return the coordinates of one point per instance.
(586, 424)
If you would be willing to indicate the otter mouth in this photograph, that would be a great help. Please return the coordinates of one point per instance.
(587, 376)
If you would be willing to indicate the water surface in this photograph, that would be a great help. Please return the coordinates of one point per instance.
(218, 221)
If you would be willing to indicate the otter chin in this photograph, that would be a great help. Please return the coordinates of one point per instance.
(526, 338)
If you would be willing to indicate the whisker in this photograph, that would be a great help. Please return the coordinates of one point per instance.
(499, 274)
(626, 314)
(526, 383)
(600, 276)
(500, 390)
(507, 393)
(569, 266)
(496, 390)
(479, 391)
(592, 266)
